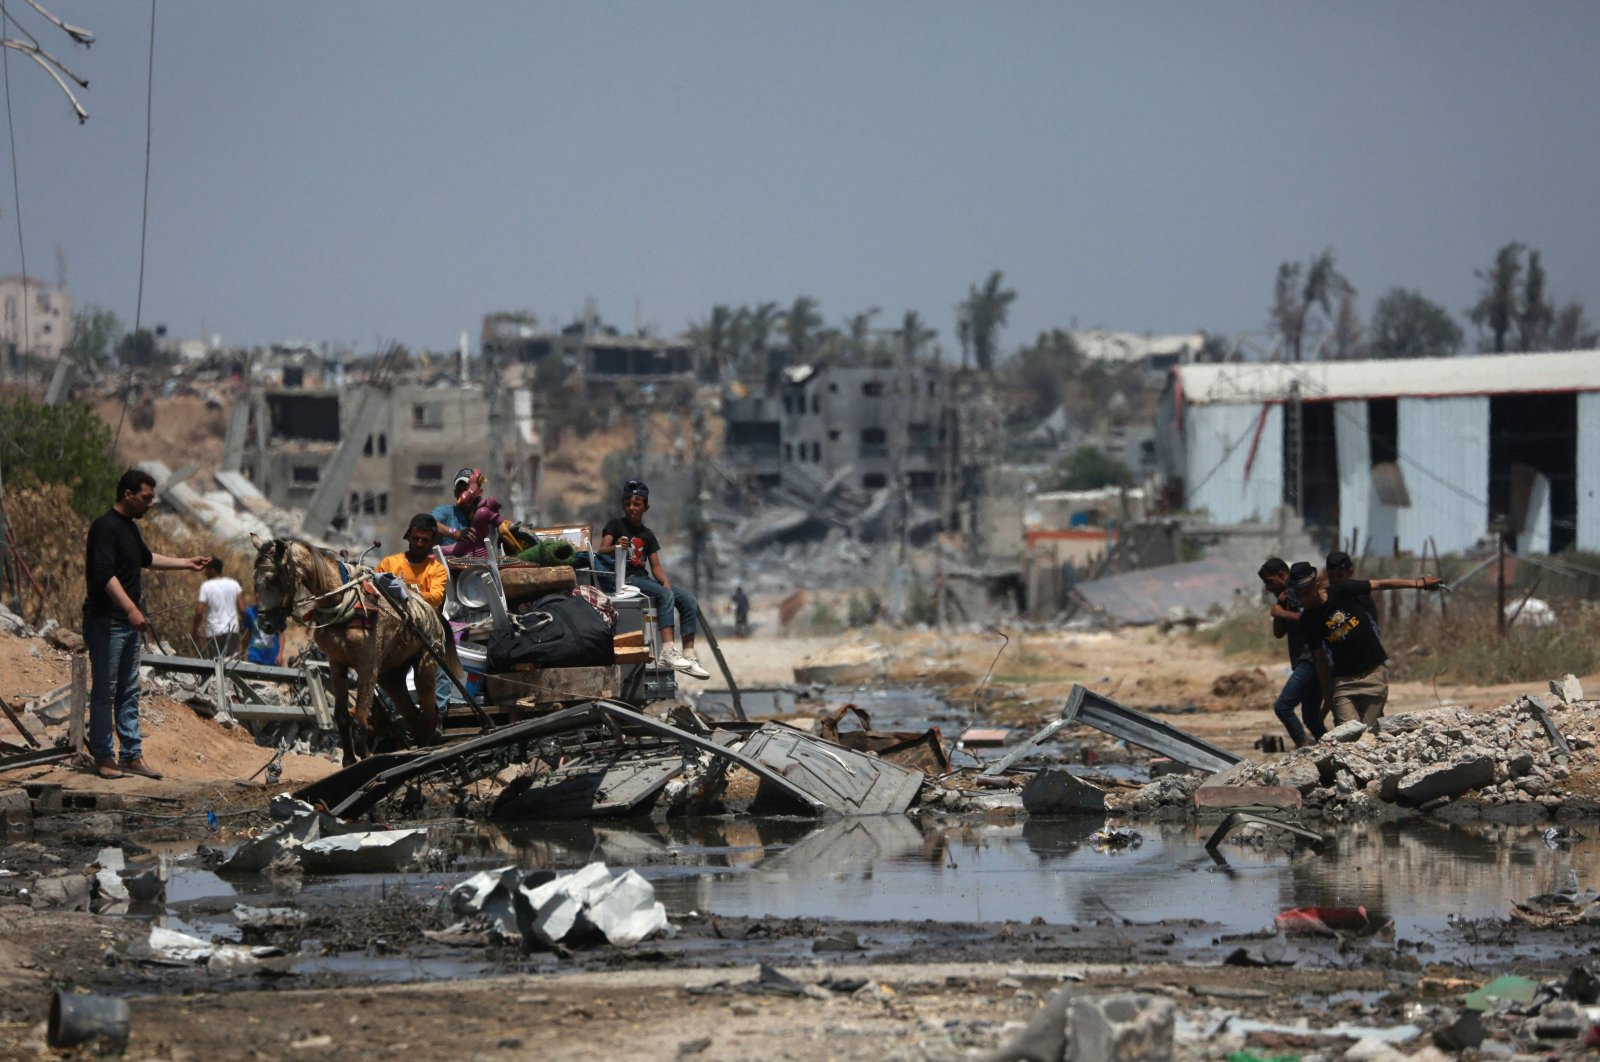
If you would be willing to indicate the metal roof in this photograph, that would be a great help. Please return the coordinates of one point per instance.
(1485, 374)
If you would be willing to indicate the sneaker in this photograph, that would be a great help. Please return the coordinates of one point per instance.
(107, 769)
(138, 766)
(672, 658)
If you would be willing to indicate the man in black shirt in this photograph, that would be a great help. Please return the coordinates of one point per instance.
(645, 571)
(113, 618)
(1358, 686)
(1341, 568)
(1301, 691)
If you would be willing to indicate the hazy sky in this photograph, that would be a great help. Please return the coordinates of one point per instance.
(347, 171)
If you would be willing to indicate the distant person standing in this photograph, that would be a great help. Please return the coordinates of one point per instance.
(741, 613)
(1357, 684)
(113, 618)
(218, 608)
(1302, 690)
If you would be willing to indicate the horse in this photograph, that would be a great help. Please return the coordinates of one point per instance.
(356, 627)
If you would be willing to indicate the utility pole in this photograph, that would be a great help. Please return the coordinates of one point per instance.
(697, 500)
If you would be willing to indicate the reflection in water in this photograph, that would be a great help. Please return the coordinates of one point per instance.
(1419, 874)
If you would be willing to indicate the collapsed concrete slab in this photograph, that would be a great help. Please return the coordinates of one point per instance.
(1132, 1025)
(1445, 780)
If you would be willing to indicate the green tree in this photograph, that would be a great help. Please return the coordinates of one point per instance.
(914, 336)
(1039, 374)
(95, 331)
(801, 323)
(1572, 331)
(138, 350)
(1498, 307)
(68, 444)
(1534, 315)
(713, 340)
(1089, 468)
(859, 330)
(1298, 291)
(1407, 325)
(984, 314)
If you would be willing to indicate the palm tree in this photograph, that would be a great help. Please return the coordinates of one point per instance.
(1535, 315)
(984, 314)
(1497, 307)
(1298, 291)
(859, 326)
(714, 339)
(914, 335)
(800, 324)
(754, 327)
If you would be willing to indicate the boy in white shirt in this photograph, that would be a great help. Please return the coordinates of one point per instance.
(219, 607)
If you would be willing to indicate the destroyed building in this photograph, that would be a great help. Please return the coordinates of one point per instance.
(824, 422)
(600, 354)
(363, 459)
(1395, 454)
(36, 318)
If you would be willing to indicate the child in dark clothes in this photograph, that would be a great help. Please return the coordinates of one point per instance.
(645, 572)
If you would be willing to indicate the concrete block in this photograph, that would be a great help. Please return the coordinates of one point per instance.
(16, 815)
(1044, 1039)
(1345, 732)
(1567, 688)
(1300, 774)
(1129, 1027)
(1445, 780)
(1054, 791)
(1246, 796)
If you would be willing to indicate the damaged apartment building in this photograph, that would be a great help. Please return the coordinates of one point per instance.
(362, 459)
(598, 353)
(822, 431)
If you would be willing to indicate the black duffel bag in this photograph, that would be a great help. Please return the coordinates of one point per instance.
(559, 631)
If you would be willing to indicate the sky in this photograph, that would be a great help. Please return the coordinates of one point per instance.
(365, 172)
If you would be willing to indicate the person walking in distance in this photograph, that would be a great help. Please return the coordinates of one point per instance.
(1301, 692)
(1355, 676)
(115, 556)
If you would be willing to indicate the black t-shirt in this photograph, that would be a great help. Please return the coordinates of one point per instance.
(1346, 628)
(641, 541)
(114, 548)
(1298, 649)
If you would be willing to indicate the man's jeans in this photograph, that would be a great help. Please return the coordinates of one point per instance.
(114, 686)
(1302, 691)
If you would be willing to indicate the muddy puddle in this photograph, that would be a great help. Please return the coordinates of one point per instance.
(924, 887)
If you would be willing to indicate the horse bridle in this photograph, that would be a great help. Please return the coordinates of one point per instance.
(295, 600)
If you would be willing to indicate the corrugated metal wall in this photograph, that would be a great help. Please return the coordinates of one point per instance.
(1218, 439)
(1362, 516)
(1589, 471)
(1449, 438)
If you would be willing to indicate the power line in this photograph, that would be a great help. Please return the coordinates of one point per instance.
(144, 213)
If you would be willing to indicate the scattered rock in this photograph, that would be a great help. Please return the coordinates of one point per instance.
(1054, 791)
(1345, 733)
(1243, 684)
(1567, 689)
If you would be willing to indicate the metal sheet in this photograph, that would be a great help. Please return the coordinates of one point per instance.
(1107, 716)
(1218, 439)
(847, 781)
(1588, 472)
(1154, 594)
(1446, 446)
(605, 784)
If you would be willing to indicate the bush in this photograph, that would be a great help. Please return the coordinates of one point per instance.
(863, 611)
(68, 444)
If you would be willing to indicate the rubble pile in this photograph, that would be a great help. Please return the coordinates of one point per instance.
(1425, 760)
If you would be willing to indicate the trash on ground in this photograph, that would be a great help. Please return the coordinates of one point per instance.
(1114, 838)
(542, 908)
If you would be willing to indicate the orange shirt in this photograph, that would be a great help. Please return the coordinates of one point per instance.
(428, 579)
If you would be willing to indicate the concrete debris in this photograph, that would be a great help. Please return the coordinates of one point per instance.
(1567, 689)
(1044, 1038)
(1054, 791)
(541, 908)
(11, 623)
(1504, 757)
(1132, 1025)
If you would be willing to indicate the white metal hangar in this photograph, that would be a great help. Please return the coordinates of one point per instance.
(1393, 454)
